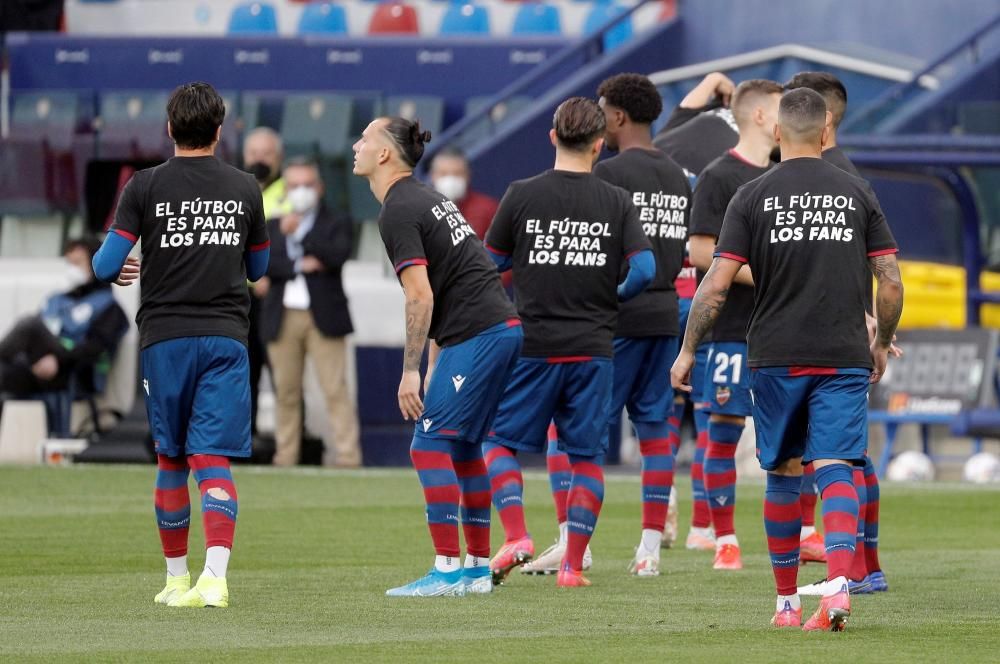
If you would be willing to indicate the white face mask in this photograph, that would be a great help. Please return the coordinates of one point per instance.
(452, 186)
(76, 276)
(302, 199)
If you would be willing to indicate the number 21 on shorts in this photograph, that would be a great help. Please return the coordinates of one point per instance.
(728, 368)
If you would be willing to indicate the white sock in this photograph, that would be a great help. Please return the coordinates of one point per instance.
(727, 539)
(807, 531)
(836, 584)
(650, 542)
(563, 533)
(793, 601)
(177, 566)
(446, 563)
(475, 561)
(704, 532)
(216, 562)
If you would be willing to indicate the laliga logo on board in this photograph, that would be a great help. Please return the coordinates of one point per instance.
(336, 57)
(157, 57)
(519, 57)
(245, 57)
(426, 57)
(80, 57)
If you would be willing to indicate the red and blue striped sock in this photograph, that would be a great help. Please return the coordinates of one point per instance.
(432, 460)
(720, 474)
(586, 495)
(840, 517)
(674, 422)
(701, 516)
(173, 505)
(657, 474)
(871, 518)
(219, 503)
(859, 563)
(474, 484)
(809, 496)
(507, 485)
(782, 523)
(560, 473)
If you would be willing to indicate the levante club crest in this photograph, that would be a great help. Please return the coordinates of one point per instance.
(722, 394)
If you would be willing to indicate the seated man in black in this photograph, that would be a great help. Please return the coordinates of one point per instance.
(69, 345)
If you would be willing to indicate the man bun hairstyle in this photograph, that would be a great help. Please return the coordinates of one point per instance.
(635, 94)
(828, 85)
(195, 112)
(408, 137)
(578, 122)
(802, 113)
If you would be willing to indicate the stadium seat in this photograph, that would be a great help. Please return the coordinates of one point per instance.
(49, 116)
(498, 115)
(429, 110)
(536, 18)
(600, 15)
(318, 123)
(465, 19)
(394, 18)
(323, 18)
(133, 124)
(26, 177)
(253, 18)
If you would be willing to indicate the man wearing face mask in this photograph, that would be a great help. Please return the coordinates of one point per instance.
(73, 337)
(450, 176)
(263, 152)
(262, 155)
(304, 311)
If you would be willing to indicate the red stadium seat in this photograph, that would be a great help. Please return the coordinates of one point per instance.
(394, 18)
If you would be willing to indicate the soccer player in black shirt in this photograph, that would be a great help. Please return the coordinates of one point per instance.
(699, 129)
(806, 228)
(702, 126)
(455, 299)
(568, 236)
(201, 222)
(646, 336)
(726, 393)
(866, 572)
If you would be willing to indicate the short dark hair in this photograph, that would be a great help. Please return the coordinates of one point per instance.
(635, 94)
(828, 85)
(452, 152)
(750, 89)
(802, 112)
(301, 161)
(578, 123)
(89, 244)
(195, 112)
(408, 137)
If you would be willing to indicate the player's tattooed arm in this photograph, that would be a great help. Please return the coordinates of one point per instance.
(418, 323)
(888, 297)
(709, 300)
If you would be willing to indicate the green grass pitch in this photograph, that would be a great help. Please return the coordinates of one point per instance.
(315, 551)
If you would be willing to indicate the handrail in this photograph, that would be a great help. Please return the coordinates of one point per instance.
(823, 57)
(592, 43)
(896, 91)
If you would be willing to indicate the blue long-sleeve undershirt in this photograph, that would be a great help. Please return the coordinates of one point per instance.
(110, 258)
(642, 269)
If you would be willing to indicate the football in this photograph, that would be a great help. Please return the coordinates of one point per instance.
(982, 468)
(911, 466)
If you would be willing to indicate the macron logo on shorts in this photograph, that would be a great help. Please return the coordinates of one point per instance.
(427, 425)
(458, 381)
(145, 385)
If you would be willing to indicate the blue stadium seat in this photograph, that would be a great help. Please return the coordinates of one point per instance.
(465, 19)
(50, 116)
(323, 18)
(536, 18)
(601, 14)
(498, 115)
(253, 18)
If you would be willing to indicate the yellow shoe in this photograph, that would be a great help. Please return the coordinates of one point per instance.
(176, 586)
(209, 591)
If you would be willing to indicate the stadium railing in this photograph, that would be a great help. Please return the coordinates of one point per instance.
(877, 115)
